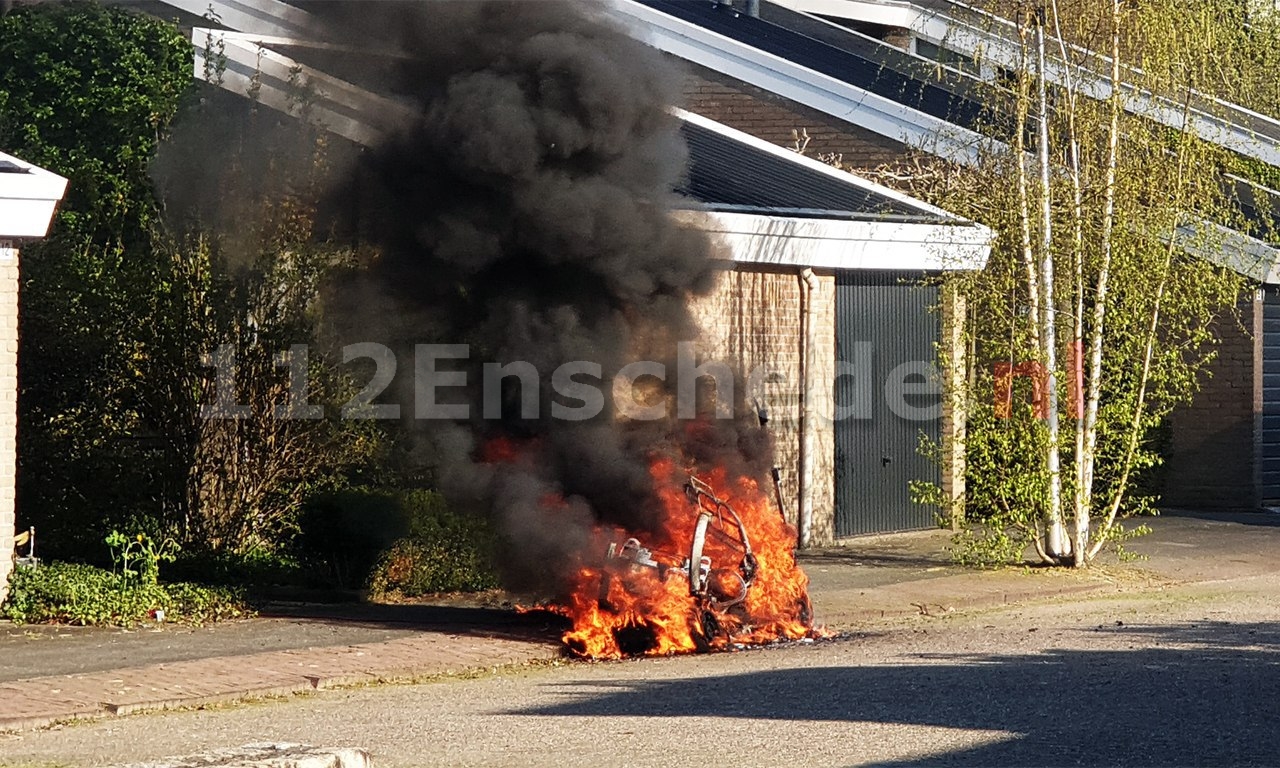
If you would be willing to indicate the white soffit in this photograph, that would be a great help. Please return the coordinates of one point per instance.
(840, 244)
(28, 197)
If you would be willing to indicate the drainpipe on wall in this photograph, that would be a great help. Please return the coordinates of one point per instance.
(809, 415)
(753, 8)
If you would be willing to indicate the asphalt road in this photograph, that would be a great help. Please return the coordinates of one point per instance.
(1183, 676)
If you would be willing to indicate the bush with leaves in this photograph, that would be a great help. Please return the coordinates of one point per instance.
(442, 551)
(70, 593)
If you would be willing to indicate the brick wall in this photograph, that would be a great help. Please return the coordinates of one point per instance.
(753, 318)
(767, 116)
(1210, 460)
(8, 405)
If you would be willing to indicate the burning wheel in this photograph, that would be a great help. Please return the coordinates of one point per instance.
(718, 591)
(708, 629)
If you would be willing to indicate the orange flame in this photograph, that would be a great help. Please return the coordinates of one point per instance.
(620, 608)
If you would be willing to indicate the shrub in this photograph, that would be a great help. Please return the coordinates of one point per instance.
(345, 531)
(255, 569)
(68, 593)
(442, 552)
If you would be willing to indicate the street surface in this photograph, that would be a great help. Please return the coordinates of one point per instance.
(1185, 675)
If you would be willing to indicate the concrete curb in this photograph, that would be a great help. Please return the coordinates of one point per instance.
(267, 755)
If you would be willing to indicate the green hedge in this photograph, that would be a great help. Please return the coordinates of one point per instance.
(71, 593)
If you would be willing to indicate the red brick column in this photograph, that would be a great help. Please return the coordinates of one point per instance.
(8, 405)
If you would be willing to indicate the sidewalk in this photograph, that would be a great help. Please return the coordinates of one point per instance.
(53, 674)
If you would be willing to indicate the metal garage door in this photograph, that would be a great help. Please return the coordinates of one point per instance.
(886, 335)
(1269, 474)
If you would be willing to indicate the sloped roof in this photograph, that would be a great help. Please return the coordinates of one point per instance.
(866, 66)
(728, 171)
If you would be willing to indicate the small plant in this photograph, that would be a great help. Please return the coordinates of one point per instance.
(139, 558)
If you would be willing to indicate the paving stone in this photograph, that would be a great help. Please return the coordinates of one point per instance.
(267, 755)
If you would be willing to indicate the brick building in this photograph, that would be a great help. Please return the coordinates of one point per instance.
(806, 241)
(28, 196)
(865, 81)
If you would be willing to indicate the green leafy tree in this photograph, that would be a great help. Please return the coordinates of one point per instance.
(1096, 278)
(88, 92)
(124, 301)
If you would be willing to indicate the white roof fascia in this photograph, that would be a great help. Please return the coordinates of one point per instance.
(888, 13)
(28, 199)
(999, 50)
(778, 75)
(1236, 251)
(290, 87)
(840, 244)
(268, 17)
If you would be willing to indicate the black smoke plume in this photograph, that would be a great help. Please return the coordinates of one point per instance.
(526, 211)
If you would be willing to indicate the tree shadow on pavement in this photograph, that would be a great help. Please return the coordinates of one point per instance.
(1195, 694)
(486, 621)
(1265, 519)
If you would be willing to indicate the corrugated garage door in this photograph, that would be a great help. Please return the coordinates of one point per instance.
(1269, 477)
(886, 334)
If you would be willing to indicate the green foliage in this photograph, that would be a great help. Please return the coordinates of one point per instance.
(138, 558)
(414, 567)
(68, 593)
(441, 551)
(88, 92)
(254, 570)
(347, 530)
(1120, 230)
(120, 303)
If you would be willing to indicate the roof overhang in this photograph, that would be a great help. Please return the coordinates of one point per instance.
(1236, 128)
(754, 238)
(28, 198)
(243, 63)
(802, 85)
(1245, 255)
(781, 241)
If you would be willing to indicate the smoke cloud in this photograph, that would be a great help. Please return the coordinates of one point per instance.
(525, 211)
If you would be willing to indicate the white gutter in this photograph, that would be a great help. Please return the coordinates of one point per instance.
(826, 94)
(888, 13)
(781, 241)
(809, 414)
(28, 197)
(268, 17)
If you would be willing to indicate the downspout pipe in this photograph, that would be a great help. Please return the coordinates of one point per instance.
(809, 414)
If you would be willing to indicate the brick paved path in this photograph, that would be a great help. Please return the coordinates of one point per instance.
(38, 701)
